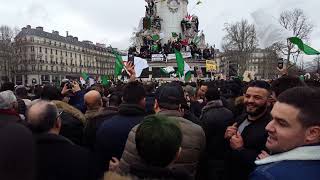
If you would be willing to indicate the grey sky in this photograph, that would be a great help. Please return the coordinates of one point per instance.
(113, 21)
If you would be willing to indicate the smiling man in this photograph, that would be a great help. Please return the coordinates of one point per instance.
(247, 137)
(294, 137)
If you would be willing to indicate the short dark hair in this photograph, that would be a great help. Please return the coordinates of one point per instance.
(115, 99)
(285, 82)
(158, 140)
(170, 96)
(50, 93)
(307, 100)
(259, 84)
(7, 86)
(133, 92)
(45, 120)
(213, 93)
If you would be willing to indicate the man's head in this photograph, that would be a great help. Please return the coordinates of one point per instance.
(50, 93)
(7, 86)
(202, 91)
(115, 99)
(212, 93)
(21, 92)
(134, 93)
(286, 82)
(296, 120)
(169, 96)
(93, 100)
(8, 100)
(256, 98)
(43, 117)
(158, 140)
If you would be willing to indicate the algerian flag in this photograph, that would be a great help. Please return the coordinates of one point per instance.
(85, 76)
(303, 47)
(180, 63)
(196, 40)
(167, 70)
(187, 72)
(139, 64)
(105, 80)
(184, 69)
(82, 81)
(118, 64)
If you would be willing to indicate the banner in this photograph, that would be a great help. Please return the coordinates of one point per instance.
(157, 57)
(211, 66)
(185, 55)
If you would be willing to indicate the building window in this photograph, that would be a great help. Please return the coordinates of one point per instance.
(56, 52)
(61, 53)
(32, 48)
(66, 53)
(55, 44)
(46, 50)
(33, 68)
(70, 54)
(52, 68)
(40, 68)
(50, 51)
(40, 49)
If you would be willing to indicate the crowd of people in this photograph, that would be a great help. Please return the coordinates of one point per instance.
(216, 130)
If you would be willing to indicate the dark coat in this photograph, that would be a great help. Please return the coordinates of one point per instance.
(112, 135)
(254, 137)
(215, 119)
(17, 154)
(93, 124)
(72, 122)
(59, 159)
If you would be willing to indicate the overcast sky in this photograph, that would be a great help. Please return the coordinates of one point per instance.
(113, 21)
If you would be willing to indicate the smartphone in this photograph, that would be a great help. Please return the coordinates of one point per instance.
(131, 58)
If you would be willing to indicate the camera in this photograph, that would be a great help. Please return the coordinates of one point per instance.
(69, 85)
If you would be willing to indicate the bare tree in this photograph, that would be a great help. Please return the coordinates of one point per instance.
(298, 23)
(7, 49)
(239, 42)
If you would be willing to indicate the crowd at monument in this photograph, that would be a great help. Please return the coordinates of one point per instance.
(197, 130)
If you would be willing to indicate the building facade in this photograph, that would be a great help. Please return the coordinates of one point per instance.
(262, 62)
(44, 57)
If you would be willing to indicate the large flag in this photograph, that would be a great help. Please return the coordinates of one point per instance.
(82, 81)
(85, 76)
(184, 69)
(180, 62)
(303, 47)
(139, 64)
(118, 64)
(105, 80)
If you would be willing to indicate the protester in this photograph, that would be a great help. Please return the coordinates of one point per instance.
(57, 157)
(215, 119)
(112, 134)
(247, 136)
(8, 106)
(294, 137)
(168, 103)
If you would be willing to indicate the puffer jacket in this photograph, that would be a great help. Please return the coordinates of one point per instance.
(72, 122)
(193, 145)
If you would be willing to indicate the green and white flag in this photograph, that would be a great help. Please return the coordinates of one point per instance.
(167, 70)
(104, 80)
(303, 47)
(118, 64)
(184, 69)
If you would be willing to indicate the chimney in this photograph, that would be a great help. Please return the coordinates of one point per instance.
(39, 28)
(67, 32)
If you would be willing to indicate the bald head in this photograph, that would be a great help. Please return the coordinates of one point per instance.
(42, 116)
(93, 99)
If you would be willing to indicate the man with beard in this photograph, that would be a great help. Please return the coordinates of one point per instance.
(247, 136)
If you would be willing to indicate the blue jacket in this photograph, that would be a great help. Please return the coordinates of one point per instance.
(112, 135)
(297, 164)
